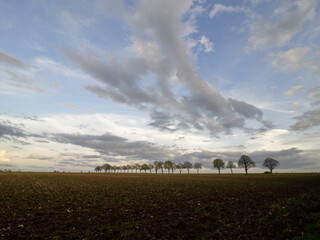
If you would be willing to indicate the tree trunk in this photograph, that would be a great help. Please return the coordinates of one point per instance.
(188, 170)
(198, 171)
(246, 171)
(219, 170)
(231, 170)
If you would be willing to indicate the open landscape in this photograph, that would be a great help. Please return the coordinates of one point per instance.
(158, 206)
(160, 119)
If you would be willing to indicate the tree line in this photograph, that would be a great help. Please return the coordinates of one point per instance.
(170, 167)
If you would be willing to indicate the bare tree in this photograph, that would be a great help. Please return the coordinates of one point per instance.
(246, 162)
(187, 165)
(198, 166)
(270, 163)
(218, 163)
(231, 165)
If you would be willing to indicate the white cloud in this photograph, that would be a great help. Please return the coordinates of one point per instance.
(205, 44)
(293, 91)
(296, 59)
(285, 23)
(220, 8)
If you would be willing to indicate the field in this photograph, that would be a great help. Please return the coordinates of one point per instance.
(162, 206)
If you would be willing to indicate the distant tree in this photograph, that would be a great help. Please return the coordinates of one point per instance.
(144, 167)
(246, 162)
(218, 163)
(231, 165)
(270, 163)
(187, 165)
(168, 165)
(98, 169)
(156, 166)
(106, 167)
(173, 167)
(150, 166)
(161, 166)
(198, 166)
(137, 167)
(128, 167)
(180, 167)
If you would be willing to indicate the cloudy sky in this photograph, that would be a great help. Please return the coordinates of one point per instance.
(83, 83)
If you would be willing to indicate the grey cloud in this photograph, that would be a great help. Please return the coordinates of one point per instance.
(76, 163)
(8, 130)
(160, 65)
(10, 60)
(162, 121)
(309, 119)
(246, 110)
(288, 158)
(113, 146)
(15, 133)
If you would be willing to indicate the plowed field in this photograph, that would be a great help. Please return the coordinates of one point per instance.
(157, 206)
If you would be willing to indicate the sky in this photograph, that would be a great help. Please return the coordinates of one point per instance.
(83, 83)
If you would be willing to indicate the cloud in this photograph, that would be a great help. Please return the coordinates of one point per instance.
(8, 130)
(19, 81)
(115, 148)
(284, 24)
(220, 8)
(10, 60)
(314, 93)
(296, 59)
(68, 105)
(307, 120)
(159, 73)
(293, 91)
(3, 159)
(14, 132)
(205, 44)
